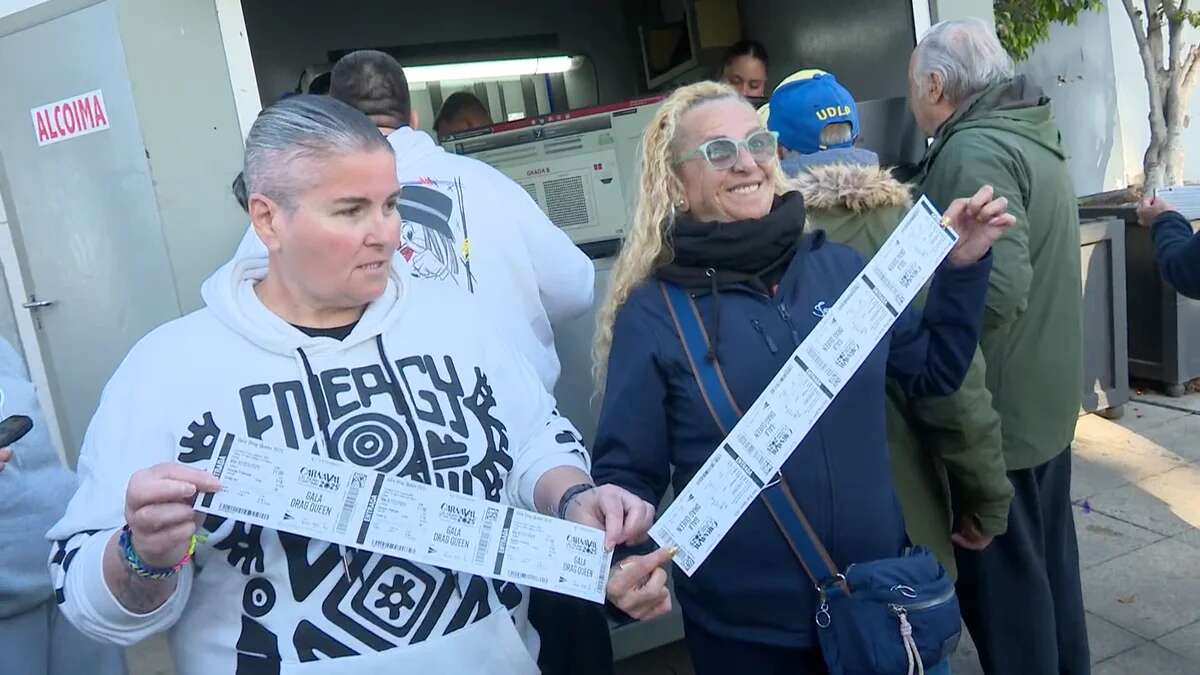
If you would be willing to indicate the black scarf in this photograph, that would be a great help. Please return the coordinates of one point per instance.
(714, 255)
(755, 251)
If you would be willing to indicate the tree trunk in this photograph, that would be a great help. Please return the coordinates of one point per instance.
(1174, 103)
(1156, 161)
(1149, 40)
(1170, 153)
(1173, 171)
(1154, 172)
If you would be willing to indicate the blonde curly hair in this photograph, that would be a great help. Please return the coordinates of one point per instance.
(646, 248)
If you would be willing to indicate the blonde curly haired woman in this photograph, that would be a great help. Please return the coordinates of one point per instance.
(716, 218)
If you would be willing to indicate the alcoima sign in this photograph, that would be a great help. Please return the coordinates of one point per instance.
(76, 116)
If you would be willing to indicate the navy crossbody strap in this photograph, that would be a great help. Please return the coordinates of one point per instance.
(685, 315)
(714, 389)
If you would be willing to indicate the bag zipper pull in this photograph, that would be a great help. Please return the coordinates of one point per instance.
(824, 618)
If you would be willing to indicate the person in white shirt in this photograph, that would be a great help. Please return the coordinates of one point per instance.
(318, 344)
(467, 224)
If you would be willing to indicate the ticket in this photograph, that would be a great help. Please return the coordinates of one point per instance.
(768, 433)
(364, 509)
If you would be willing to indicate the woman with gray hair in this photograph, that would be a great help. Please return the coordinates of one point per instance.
(317, 345)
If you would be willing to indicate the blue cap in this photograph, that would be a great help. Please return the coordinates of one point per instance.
(804, 104)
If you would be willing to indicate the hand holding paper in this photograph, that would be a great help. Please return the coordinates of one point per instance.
(979, 221)
(1150, 208)
(367, 510)
(638, 585)
(624, 517)
(158, 510)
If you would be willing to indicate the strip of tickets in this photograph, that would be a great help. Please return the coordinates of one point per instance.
(364, 509)
(784, 413)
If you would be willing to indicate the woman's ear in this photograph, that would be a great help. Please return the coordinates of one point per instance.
(265, 219)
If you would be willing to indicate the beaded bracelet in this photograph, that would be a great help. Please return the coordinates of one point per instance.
(145, 571)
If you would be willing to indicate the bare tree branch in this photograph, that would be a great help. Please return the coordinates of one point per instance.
(1152, 162)
(1175, 24)
(1191, 72)
(1154, 36)
(1149, 66)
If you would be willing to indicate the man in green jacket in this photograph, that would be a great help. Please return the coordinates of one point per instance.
(939, 446)
(1021, 598)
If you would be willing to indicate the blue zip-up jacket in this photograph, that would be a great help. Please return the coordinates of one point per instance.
(1177, 249)
(653, 420)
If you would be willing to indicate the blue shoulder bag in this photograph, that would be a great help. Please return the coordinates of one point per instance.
(896, 616)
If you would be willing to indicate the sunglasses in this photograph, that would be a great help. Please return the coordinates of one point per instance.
(722, 153)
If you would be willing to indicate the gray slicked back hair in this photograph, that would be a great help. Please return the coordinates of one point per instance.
(965, 54)
(300, 127)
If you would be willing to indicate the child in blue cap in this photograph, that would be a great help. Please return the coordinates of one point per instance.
(816, 120)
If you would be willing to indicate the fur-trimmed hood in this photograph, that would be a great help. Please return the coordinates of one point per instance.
(854, 187)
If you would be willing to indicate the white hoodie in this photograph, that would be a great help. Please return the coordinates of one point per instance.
(417, 389)
(470, 225)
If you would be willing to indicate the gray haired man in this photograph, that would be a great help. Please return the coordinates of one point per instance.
(1021, 597)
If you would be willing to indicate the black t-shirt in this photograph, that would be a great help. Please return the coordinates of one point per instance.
(338, 333)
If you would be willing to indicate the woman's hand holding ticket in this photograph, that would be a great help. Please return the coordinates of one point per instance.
(638, 585)
(158, 510)
(624, 517)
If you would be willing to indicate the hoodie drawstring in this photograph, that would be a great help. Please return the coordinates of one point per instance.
(321, 419)
(387, 368)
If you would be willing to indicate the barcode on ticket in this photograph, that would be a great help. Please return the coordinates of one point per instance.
(230, 508)
(398, 548)
(522, 576)
(351, 501)
(485, 537)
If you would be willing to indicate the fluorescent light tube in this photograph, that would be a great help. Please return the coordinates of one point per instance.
(488, 70)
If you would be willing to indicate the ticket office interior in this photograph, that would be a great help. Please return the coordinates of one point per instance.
(609, 46)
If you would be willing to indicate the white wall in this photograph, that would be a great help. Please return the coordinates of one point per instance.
(8, 319)
(13, 6)
(1093, 72)
(945, 10)
(1133, 100)
(285, 38)
(1075, 68)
